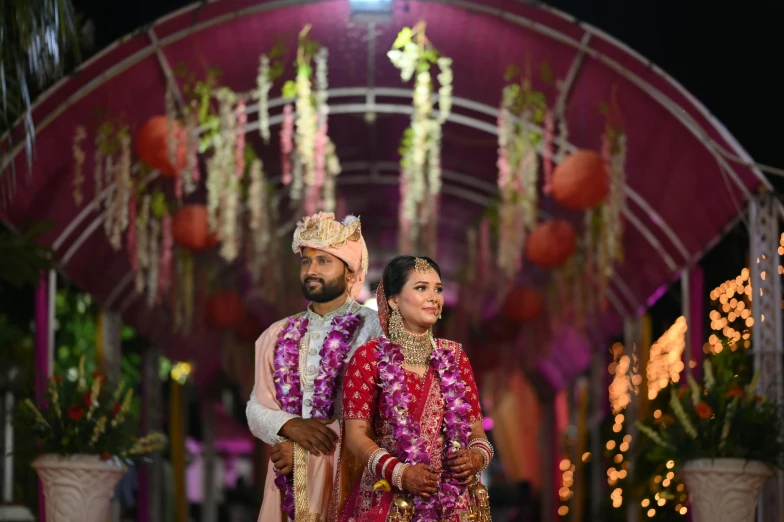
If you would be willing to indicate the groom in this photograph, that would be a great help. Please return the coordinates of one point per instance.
(296, 400)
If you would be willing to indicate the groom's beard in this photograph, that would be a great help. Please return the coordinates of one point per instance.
(326, 291)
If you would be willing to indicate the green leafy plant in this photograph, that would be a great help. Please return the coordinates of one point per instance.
(84, 415)
(721, 417)
(306, 50)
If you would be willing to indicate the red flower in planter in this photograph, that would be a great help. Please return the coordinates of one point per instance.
(98, 376)
(116, 408)
(105, 455)
(86, 398)
(75, 412)
(704, 411)
(737, 391)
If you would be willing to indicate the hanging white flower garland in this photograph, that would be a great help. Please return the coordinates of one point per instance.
(263, 86)
(420, 165)
(142, 242)
(78, 156)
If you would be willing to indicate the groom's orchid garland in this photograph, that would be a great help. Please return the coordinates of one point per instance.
(288, 391)
(406, 431)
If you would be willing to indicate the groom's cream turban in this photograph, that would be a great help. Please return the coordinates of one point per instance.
(343, 240)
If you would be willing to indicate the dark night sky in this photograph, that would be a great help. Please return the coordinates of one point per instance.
(726, 54)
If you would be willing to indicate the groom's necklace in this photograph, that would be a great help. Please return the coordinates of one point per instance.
(416, 348)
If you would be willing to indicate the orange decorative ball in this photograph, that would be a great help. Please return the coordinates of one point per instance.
(551, 244)
(152, 145)
(190, 229)
(581, 180)
(224, 310)
(523, 305)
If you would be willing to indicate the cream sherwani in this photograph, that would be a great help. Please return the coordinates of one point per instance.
(265, 418)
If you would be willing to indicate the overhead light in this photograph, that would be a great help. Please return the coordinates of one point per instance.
(371, 11)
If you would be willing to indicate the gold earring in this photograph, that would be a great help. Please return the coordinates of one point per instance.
(395, 322)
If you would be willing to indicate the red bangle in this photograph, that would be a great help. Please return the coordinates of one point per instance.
(390, 469)
(380, 464)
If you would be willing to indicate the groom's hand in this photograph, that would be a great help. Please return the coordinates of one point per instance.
(283, 457)
(312, 434)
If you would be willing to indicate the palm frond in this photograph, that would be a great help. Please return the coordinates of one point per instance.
(39, 40)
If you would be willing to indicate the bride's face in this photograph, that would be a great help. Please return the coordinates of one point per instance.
(420, 301)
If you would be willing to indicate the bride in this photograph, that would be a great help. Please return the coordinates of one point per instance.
(412, 413)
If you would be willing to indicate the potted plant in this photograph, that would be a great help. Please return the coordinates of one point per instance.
(82, 440)
(723, 435)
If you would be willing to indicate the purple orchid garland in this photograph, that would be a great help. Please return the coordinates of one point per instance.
(396, 408)
(333, 353)
(287, 383)
(288, 392)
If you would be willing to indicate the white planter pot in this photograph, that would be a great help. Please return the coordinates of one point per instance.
(78, 488)
(724, 490)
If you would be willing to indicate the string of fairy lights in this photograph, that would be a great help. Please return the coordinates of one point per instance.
(731, 318)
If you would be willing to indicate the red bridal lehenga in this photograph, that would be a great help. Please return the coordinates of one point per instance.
(364, 399)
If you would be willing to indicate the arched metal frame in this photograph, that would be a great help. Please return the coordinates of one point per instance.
(489, 189)
(480, 199)
(582, 47)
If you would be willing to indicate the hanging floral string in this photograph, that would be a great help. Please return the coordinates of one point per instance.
(547, 155)
(78, 156)
(287, 143)
(190, 175)
(263, 84)
(420, 150)
(152, 272)
(308, 154)
(270, 68)
(98, 158)
(522, 108)
(260, 233)
(142, 255)
(614, 154)
(121, 194)
(165, 263)
(131, 236)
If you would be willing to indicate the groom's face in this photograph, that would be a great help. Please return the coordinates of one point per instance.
(323, 276)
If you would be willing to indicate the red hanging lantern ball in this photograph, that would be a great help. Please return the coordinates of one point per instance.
(152, 145)
(581, 180)
(191, 229)
(551, 244)
(523, 305)
(224, 310)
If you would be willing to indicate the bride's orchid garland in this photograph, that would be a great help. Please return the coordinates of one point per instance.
(420, 150)
(406, 431)
(288, 391)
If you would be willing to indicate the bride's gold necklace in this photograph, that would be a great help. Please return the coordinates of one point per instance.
(416, 348)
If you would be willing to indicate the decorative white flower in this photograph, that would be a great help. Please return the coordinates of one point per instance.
(263, 85)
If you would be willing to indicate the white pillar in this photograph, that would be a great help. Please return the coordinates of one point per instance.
(767, 332)
(598, 405)
(632, 338)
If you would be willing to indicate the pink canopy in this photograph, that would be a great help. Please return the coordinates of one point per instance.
(682, 192)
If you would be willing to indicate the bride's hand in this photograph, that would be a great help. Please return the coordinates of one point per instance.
(421, 480)
(463, 465)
